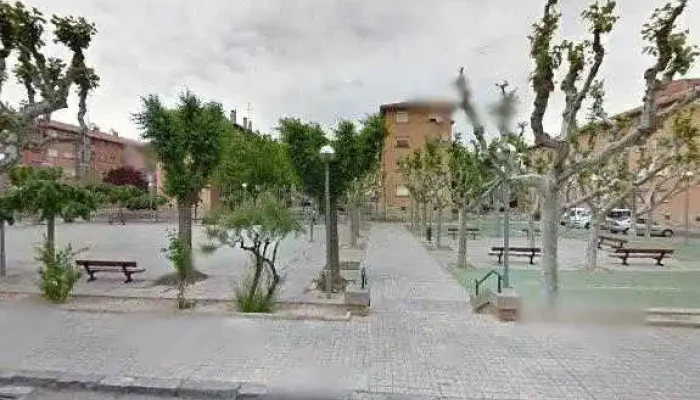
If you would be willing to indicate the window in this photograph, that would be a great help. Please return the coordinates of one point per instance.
(402, 117)
(435, 118)
(402, 191)
(52, 153)
(402, 143)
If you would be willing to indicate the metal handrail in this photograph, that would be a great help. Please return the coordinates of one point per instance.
(478, 282)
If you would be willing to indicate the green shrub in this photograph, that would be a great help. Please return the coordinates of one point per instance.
(179, 255)
(255, 302)
(57, 274)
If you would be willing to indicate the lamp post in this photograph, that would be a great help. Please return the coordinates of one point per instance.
(244, 185)
(688, 175)
(3, 263)
(327, 153)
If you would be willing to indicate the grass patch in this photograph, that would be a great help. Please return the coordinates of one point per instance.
(628, 289)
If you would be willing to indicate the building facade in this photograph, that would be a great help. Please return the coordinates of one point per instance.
(108, 150)
(409, 126)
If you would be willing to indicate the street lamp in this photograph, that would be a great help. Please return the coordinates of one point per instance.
(244, 185)
(327, 155)
(688, 176)
(3, 263)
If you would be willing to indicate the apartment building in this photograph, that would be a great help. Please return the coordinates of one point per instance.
(108, 150)
(409, 124)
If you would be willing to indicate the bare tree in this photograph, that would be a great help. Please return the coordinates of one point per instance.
(672, 56)
(46, 80)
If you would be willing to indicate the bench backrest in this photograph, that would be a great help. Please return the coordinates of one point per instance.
(613, 239)
(643, 251)
(526, 249)
(106, 263)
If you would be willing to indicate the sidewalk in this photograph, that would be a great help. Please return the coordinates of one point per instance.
(420, 339)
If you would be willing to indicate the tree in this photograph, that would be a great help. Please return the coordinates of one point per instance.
(672, 55)
(126, 176)
(121, 197)
(257, 226)
(357, 153)
(607, 185)
(47, 80)
(44, 192)
(187, 140)
(258, 161)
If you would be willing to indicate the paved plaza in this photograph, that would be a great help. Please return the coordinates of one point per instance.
(421, 338)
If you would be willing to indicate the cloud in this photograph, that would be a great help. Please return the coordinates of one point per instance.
(330, 59)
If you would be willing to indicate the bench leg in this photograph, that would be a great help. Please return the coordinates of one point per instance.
(500, 256)
(532, 260)
(658, 261)
(624, 261)
(128, 277)
(91, 275)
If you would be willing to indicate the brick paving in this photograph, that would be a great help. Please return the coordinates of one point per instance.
(421, 339)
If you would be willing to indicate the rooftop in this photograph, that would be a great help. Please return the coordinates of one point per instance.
(95, 134)
(419, 104)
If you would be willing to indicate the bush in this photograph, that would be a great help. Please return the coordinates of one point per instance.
(179, 255)
(258, 302)
(58, 276)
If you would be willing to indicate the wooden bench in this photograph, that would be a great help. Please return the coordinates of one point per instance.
(471, 232)
(530, 252)
(128, 268)
(657, 254)
(615, 243)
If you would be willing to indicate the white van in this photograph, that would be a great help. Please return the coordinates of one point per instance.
(577, 217)
(618, 220)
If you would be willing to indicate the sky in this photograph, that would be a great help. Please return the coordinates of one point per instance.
(326, 60)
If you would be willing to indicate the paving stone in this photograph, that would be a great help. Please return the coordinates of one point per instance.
(77, 380)
(155, 386)
(36, 377)
(208, 388)
(15, 392)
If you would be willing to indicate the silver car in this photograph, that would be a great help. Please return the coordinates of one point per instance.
(656, 228)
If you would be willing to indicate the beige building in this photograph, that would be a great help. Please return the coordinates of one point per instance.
(409, 126)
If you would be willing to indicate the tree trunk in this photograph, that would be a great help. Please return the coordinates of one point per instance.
(633, 222)
(462, 252)
(531, 229)
(51, 235)
(438, 231)
(184, 227)
(256, 278)
(592, 249)
(354, 225)
(550, 227)
(424, 220)
(648, 223)
(413, 215)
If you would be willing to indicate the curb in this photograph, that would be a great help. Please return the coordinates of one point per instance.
(188, 388)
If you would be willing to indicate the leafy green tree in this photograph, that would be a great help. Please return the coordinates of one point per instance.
(257, 226)
(357, 153)
(258, 161)
(46, 80)
(44, 192)
(187, 140)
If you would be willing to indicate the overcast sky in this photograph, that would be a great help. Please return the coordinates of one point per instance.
(325, 60)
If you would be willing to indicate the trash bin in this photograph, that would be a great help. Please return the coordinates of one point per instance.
(429, 234)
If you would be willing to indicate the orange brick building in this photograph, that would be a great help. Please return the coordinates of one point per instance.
(409, 126)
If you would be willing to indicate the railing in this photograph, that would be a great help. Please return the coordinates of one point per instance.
(478, 282)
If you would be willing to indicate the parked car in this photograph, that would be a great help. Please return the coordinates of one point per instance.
(656, 228)
(617, 220)
(577, 218)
